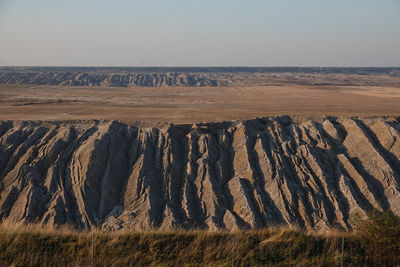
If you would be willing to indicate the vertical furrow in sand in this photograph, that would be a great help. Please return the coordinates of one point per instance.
(358, 205)
(383, 139)
(309, 204)
(53, 162)
(391, 137)
(51, 156)
(136, 202)
(185, 172)
(366, 191)
(353, 193)
(211, 181)
(157, 183)
(224, 173)
(315, 203)
(5, 126)
(318, 162)
(374, 185)
(25, 138)
(15, 202)
(113, 178)
(20, 151)
(132, 197)
(191, 198)
(29, 201)
(87, 167)
(172, 161)
(242, 185)
(268, 173)
(365, 155)
(361, 194)
(243, 203)
(67, 210)
(9, 142)
(289, 190)
(275, 182)
(7, 201)
(262, 171)
(45, 184)
(143, 199)
(206, 181)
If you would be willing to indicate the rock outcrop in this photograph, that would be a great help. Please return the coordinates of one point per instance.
(316, 173)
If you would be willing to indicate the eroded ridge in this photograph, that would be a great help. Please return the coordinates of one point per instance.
(111, 79)
(245, 174)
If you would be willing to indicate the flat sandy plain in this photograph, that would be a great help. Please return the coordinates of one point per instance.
(249, 97)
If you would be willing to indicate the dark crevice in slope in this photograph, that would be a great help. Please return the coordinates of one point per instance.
(389, 157)
(173, 180)
(327, 177)
(115, 172)
(288, 179)
(31, 140)
(195, 212)
(365, 204)
(270, 211)
(373, 183)
(65, 177)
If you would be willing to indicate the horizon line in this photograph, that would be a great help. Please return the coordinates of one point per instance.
(188, 66)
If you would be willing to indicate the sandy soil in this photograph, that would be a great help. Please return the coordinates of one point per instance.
(192, 104)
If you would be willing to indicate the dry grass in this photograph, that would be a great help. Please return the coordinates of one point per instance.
(32, 246)
(375, 242)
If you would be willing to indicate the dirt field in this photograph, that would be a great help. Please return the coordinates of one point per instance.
(192, 104)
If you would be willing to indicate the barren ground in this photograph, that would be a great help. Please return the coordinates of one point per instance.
(193, 104)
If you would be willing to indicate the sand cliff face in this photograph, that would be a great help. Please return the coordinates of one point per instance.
(249, 174)
(110, 79)
(198, 77)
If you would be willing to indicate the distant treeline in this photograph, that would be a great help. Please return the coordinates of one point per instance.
(350, 70)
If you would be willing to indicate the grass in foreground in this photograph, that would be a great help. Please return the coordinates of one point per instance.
(370, 244)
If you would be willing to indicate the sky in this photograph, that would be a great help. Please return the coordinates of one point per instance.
(200, 33)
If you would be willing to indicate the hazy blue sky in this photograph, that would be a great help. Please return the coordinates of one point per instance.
(200, 33)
